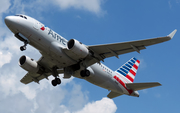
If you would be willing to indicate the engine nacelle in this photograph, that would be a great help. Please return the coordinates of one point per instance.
(78, 48)
(29, 64)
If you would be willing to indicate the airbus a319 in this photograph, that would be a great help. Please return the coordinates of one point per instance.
(73, 58)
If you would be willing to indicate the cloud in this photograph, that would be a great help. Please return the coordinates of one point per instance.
(5, 4)
(5, 58)
(170, 5)
(104, 105)
(93, 6)
(20, 6)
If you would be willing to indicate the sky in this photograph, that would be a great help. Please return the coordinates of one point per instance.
(94, 22)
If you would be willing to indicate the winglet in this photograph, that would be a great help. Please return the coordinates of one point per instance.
(171, 35)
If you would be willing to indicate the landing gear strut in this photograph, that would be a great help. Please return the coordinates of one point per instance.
(85, 73)
(56, 81)
(22, 48)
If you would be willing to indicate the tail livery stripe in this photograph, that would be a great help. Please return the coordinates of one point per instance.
(135, 66)
(121, 72)
(123, 84)
(131, 75)
(128, 65)
(129, 69)
(132, 72)
(130, 78)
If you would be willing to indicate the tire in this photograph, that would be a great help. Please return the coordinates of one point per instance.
(87, 73)
(82, 73)
(54, 82)
(22, 48)
(58, 80)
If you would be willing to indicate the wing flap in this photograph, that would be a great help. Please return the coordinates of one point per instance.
(140, 86)
(113, 94)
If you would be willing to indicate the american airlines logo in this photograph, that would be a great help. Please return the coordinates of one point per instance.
(57, 37)
(42, 28)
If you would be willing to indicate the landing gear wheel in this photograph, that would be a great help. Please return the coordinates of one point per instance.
(56, 81)
(22, 48)
(84, 73)
(87, 73)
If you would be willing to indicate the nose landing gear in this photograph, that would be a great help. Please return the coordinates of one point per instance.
(22, 48)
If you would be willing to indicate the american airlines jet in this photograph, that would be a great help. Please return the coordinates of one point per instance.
(73, 58)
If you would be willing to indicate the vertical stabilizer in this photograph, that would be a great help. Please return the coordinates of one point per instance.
(129, 69)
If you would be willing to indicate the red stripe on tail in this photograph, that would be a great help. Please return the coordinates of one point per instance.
(129, 77)
(132, 72)
(138, 61)
(135, 66)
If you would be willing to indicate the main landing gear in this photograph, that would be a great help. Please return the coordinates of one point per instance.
(22, 48)
(57, 80)
(85, 73)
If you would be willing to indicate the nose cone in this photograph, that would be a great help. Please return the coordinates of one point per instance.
(12, 23)
(9, 21)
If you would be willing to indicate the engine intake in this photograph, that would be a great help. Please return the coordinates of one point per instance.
(29, 64)
(78, 48)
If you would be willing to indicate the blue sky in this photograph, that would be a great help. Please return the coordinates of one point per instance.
(94, 22)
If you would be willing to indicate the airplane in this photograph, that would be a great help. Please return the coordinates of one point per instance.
(73, 58)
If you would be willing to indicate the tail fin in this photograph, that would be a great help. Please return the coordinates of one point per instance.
(129, 69)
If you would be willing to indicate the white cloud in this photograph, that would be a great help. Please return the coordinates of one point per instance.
(5, 58)
(105, 105)
(93, 6)
(5, 4)
(19, 6)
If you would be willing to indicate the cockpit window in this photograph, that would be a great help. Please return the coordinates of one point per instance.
(22, 16)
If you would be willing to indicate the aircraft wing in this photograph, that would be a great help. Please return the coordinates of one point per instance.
(115, 49)
(30, 77)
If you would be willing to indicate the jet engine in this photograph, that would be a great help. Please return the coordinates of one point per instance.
(78, 48)
(29, 64)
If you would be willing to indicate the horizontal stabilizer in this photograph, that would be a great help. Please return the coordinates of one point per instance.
(140, 86)
(113, 94)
